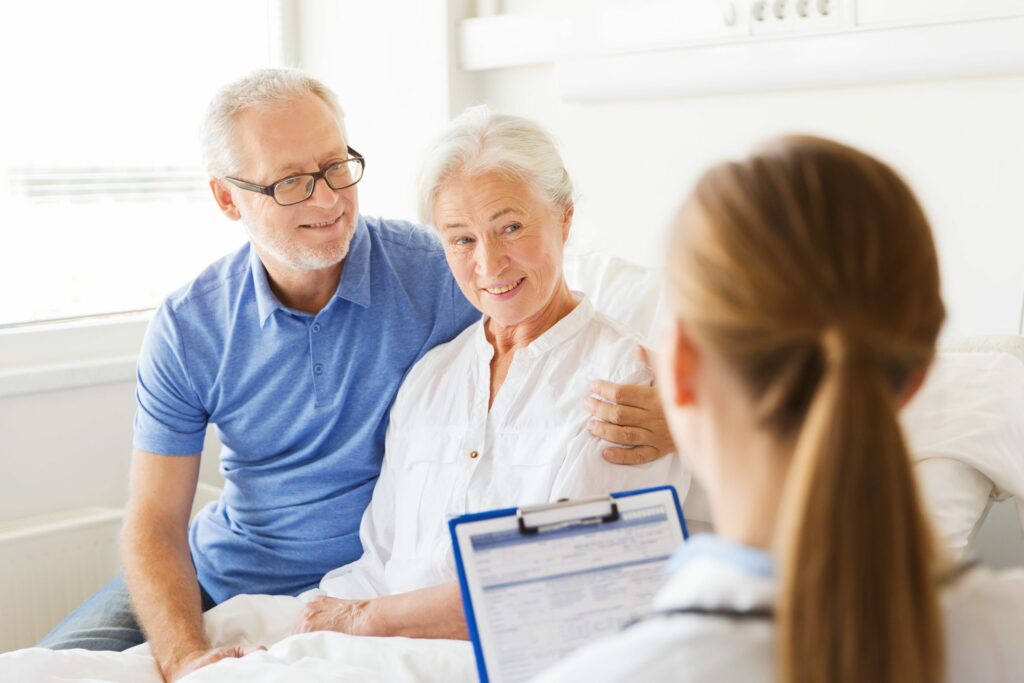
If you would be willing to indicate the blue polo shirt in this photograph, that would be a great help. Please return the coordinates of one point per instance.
(300, 402)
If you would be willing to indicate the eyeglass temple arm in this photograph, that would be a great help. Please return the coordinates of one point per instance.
(269, 190)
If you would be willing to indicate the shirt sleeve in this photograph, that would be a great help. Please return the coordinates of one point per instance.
(169, 417)
(586, 473)
(365, 578)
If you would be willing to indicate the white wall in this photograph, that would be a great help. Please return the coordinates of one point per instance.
(71, 448)
(957, 142)
(65, 449)
(392, 65)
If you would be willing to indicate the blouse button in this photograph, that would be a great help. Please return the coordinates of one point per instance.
(473, 454)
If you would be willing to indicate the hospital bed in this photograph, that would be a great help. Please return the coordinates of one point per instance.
(965, 429)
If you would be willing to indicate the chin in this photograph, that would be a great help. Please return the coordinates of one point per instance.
(317, 256)
(308, 258)
(506, 317)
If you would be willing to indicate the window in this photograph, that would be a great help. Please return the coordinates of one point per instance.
(104, 205)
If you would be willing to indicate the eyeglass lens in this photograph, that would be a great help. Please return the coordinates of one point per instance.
(299, 188)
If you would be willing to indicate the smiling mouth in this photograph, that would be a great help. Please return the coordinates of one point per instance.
(324, 224)
(504, 289)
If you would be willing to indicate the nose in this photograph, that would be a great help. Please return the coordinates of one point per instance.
(323, 195)
(490, 260)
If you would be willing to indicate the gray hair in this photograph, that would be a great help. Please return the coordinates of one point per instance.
(480, 141)
(261, 88)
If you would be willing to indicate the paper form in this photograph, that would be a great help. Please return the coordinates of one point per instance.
(537, 597)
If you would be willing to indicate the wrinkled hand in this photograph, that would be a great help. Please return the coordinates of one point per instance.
(324, 613)
(197, 660)
(631, 416)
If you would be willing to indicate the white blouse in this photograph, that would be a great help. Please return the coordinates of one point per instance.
(447, 455)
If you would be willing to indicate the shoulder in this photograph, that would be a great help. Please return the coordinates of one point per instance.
(218, 281)
(409, 256)
(984, 590)
(990, 603)
(409, 263)
(200, 303)
(610, 348)
(402, 238)
(684, 650)
(612, 331)
(983, 622)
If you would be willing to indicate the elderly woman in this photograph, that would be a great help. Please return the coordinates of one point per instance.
(495, 417)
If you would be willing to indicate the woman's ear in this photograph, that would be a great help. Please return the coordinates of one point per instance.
(684, 365)
(226, 202)
(567, 222)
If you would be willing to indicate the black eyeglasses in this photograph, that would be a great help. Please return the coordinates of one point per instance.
(299, 188)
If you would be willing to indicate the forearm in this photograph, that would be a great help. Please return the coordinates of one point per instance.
(165, 593)
(434, 612)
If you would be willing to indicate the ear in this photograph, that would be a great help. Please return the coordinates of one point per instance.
(912, 386)
(684, 365)
(567, 222)
(226, 202)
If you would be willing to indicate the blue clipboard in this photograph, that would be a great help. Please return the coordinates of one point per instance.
(527, 527)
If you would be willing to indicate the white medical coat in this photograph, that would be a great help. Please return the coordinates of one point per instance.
(984, 616)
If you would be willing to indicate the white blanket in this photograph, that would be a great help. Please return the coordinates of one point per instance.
(261, 620)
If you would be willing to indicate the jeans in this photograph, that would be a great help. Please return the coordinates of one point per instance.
(104, 622)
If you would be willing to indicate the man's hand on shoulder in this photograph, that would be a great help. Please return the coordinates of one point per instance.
(630, 415)
(197, 660)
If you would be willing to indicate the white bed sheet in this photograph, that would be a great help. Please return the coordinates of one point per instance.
(261, 620)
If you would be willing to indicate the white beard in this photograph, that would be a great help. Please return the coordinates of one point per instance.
(300, 257)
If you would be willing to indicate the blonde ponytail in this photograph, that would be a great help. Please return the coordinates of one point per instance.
(857, 597)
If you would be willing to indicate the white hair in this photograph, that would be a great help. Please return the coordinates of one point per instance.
(261, 88)
(481, 141)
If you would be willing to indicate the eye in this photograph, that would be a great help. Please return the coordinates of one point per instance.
(461, 241)
(344, 166)
(512, 227)
(289, 182)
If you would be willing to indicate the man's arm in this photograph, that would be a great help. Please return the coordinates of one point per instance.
(158, 565)
(631, 416)
(434, 612)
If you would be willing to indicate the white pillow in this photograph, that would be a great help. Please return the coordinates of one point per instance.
(969, 414)
(624, 291)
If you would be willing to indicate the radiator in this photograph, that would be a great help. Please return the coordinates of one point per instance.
(49, 565)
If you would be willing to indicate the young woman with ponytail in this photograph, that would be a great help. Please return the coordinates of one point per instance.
(805, 290)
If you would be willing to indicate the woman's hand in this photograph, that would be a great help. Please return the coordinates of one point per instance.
(630, 415)
(434, 612)
(355, 617)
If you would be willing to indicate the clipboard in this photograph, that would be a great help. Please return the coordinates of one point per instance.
(537, 582)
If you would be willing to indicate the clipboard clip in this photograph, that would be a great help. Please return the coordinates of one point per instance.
(565, 505)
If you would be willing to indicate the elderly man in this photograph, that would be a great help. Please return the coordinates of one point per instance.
(294, 348)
